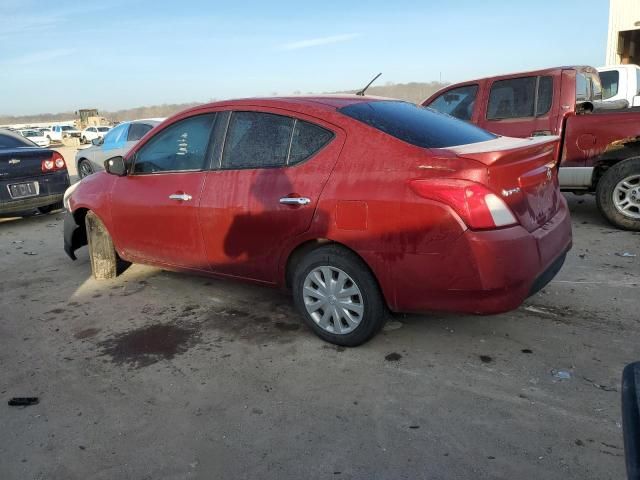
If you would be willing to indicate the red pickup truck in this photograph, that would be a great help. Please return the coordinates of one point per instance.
(599, 149)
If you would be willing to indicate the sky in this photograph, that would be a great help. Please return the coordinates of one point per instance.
(60, 55)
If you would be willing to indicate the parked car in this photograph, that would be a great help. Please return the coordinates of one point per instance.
(91, 133)
(58, 132)
(36, 137)
(357, 204)
(600, 147)
(621, 82)
(30, 176)
(117, 141)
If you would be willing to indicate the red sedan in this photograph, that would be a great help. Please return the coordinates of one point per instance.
(358, 205)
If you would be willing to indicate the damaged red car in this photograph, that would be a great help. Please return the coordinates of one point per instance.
(357, 205)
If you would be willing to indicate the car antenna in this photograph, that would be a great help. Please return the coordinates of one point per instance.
(361, 92)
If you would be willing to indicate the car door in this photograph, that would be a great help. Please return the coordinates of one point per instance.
(521, 107)
(155, 207)
(272, 169)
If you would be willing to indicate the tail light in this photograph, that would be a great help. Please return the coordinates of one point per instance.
(56, 162)
(477, 206)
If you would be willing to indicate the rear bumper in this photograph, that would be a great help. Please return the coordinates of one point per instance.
(483, 272)
(52, 188)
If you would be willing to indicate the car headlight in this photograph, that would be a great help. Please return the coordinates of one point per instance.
(67, 195)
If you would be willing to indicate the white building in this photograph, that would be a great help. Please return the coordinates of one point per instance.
(623, 43)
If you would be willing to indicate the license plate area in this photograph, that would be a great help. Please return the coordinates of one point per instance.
(24, 190)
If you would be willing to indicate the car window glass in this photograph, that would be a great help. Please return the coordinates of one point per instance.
(137, 131)
(609, 81)
(596, 86)
(512, 98)
(582, 90)
(545, 95)
(307, 140)
(9, 141)
(416, 125)
(180, 147)
(257, 140)
(458, 102)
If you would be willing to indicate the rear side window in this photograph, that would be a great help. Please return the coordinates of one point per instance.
(419, 126)
(458, 102)
(545, 95)
(520, 98)
(137, 131)
(512, 98)
(180, 147)
(257, 140)
(610, 81)
(307, 140)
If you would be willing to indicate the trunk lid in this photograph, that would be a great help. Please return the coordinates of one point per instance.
(521, 171)
(22, 162)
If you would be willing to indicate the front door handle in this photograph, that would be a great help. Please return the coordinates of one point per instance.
(295, 200)
(185, 197)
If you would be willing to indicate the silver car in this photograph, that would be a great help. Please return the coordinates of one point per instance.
(117, 142)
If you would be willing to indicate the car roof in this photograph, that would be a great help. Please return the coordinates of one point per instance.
(295, 103)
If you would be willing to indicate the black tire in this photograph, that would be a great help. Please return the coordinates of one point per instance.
(374, 311)
(105, 262)
(605, 191)
(84, 168)
(50, 208)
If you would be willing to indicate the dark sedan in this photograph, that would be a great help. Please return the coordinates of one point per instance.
(30, 176)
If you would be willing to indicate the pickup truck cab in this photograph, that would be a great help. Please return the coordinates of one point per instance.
(599, 151)
(58, 132)
(621, 83)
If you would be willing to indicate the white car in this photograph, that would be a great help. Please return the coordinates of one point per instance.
(91, 133)
(36, 136)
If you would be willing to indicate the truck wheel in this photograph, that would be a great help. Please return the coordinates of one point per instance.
(618, 194)
(338, 296)
(105, 263)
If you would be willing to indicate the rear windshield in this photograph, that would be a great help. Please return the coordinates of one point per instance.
(416, 125)
(9, 141)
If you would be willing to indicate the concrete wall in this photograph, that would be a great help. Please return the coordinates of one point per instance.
(623, 15)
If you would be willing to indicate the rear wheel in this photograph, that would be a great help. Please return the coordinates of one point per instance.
(105, 263)
(84, 168)
(618, 194)
(338, 296)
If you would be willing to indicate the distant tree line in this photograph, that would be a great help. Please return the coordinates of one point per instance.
(412, 92)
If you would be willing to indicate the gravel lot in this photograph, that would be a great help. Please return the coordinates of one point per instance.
(164, 375)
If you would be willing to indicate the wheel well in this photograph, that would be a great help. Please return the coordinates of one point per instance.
(79, 216)
(606, 163)
(304, 248)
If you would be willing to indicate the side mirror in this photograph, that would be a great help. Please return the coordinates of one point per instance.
(115, 166)
(631, 418)
(97, 141)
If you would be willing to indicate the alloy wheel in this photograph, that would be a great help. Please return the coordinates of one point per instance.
(626, 196)
(333, 300)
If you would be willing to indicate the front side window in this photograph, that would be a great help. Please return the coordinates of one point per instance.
(180, 147)
(419, 126)
(116, 135)
(596, 87)
(137, 131)
(458, 102)
(257, 140)
(512, 98)
(610, 81)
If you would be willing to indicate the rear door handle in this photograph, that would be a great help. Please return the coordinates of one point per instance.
(185, 197)
(295, 200)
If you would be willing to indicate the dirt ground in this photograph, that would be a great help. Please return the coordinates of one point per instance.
(163, 375)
